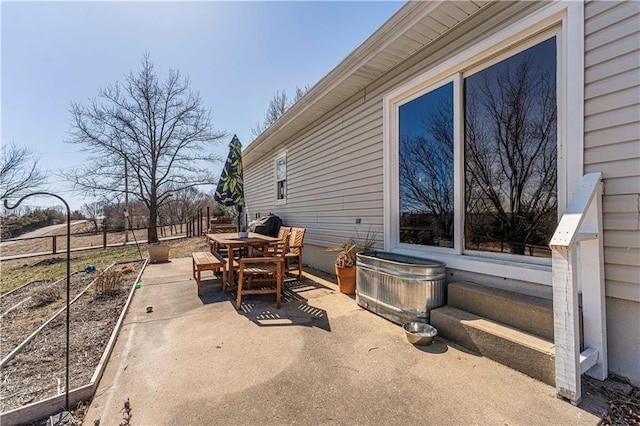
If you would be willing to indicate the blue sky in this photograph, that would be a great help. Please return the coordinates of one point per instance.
(237, 55)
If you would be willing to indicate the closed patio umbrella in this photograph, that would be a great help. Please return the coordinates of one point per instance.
(230, 190)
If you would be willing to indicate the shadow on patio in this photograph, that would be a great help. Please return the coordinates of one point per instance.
(295, 311)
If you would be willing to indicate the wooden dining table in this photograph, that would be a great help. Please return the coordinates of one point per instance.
(232, 241)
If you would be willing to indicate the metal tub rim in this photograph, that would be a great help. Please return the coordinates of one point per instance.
(414, 260)
(414, 268)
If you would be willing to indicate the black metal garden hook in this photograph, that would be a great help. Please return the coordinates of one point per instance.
(6, 205)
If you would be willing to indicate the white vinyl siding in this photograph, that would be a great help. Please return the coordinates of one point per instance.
(612, 134)
(259, 187)
(334, 176)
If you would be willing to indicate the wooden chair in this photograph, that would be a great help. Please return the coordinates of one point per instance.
(296, 239)
(268, 271)
(283, 233)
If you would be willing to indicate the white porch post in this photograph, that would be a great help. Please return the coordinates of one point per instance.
(578, 264)
(566, 323)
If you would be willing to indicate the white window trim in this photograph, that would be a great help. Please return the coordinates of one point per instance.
(280, 201)
(566, 18)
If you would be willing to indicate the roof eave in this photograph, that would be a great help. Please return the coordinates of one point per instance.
(399, 24)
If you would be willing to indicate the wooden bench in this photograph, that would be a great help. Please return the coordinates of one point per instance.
(207, 261)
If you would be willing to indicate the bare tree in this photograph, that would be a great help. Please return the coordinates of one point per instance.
(511, 156)
(19, 171)
(155, 132)
(185, 204)
(300, 92)
(93, 211)
(278, 105)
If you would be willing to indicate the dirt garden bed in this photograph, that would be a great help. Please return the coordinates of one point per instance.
(37, 372)
(27, 308)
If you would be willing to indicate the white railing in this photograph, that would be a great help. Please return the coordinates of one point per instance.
(578, 267)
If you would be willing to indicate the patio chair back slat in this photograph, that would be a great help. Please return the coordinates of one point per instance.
(296, 240)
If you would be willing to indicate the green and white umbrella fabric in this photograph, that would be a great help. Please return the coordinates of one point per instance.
(230, 190)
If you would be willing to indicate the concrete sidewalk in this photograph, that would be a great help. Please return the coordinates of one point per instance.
(320, 359)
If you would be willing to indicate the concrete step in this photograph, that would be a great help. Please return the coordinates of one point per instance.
(531, 314)
(524, 352)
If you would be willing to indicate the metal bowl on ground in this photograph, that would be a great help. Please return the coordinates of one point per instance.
(419, 333)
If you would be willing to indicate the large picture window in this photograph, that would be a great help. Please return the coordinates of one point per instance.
(508, 151)
(510, 154)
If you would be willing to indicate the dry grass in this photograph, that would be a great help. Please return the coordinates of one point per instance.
(109, 283)
(45, 296)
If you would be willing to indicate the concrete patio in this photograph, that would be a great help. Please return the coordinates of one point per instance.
(321, 359)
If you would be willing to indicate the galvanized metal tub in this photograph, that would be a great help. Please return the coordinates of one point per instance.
(399, 288)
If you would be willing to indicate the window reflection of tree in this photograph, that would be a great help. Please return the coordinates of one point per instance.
(511, 157)
(426, 177)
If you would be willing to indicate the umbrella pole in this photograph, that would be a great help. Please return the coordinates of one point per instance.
(239, 218)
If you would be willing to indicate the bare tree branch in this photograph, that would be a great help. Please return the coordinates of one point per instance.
(19, 171)
(278, 105)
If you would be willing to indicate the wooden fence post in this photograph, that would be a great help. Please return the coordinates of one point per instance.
(104, 238)
(54, 249)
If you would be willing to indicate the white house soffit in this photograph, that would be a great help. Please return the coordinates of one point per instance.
(412, 43)
(469, 7)
(374, 67)
(361, 77)
(413, 27)
(401, 48)
(418, 37)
